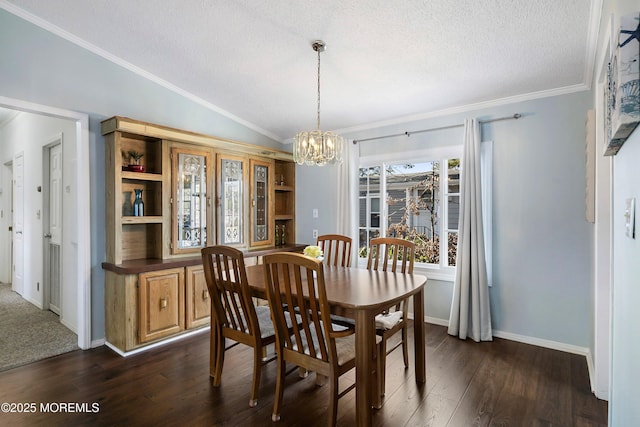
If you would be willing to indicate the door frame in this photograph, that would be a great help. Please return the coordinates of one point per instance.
(80, 174)
(17, 286)
(46, 226)
(7, 184)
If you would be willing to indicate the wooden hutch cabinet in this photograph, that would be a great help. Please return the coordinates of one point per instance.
(169, 193)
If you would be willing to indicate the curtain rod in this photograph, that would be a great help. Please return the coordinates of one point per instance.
(515, 116)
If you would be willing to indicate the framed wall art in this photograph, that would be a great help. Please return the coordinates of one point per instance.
(623, 83)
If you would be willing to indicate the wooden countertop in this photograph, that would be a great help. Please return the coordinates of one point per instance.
(138, 266)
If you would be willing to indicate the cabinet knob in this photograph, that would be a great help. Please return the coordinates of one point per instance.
(163, 303)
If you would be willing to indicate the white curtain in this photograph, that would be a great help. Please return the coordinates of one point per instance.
(347, 195)
(470, 312)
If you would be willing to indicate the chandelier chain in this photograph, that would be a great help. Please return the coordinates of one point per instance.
(318, 50)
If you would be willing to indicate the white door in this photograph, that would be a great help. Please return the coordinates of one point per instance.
(54, 235)
(17, 279)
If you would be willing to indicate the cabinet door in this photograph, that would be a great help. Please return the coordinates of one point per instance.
(191, 214)
(198, 301)
(161, 303)
(232, 179)
(261, 180)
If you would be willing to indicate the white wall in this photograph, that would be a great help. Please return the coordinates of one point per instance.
(625, 320)
(29, 133)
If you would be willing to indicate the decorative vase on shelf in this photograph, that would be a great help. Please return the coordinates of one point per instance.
(138, 204)
(127, 206)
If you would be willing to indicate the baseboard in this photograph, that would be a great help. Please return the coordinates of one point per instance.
(436, 321)
(592, 372)
(32, 301)
(98, 343)
(69, 325)
(157, 344)
(553, 345)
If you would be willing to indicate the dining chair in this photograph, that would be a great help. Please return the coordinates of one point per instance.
(234, 316)
(336, 249)
(295, 284)
(395, 255)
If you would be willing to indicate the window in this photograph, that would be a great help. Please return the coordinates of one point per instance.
(369, 202)
(413, 200)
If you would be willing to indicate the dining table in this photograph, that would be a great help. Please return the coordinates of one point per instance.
(361, 294)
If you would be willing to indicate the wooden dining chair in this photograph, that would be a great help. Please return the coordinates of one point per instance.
(336, 249)
(395, 255)
(234, 316)
(295, 285)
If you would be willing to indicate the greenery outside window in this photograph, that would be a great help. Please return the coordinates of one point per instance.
(418, 201)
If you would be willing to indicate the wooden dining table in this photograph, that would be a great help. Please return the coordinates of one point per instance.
(361, 294)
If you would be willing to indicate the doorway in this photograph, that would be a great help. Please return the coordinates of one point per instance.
(78, 273)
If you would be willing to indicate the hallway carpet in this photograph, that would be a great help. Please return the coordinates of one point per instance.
(27, 333)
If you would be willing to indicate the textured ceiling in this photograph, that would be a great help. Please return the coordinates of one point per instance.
(385, 60)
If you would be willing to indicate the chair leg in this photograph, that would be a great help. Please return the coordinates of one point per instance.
(382, 366)
(405, 345)
(277, 401)
(377, 392)
(302, 372)
(213, 350)
(320, 380)
(219, 359)
(333, 400)
(257, 369)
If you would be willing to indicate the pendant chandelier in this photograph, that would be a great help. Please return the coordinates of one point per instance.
(318, 147)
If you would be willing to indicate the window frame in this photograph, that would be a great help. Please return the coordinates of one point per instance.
(440, 271)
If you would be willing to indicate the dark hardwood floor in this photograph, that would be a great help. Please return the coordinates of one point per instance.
(502, 383)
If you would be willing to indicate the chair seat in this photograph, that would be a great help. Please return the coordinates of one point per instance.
(387, 321)
(384, 321)
(345, 346)
(263, 313)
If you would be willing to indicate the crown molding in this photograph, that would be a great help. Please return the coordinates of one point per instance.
(466, 108)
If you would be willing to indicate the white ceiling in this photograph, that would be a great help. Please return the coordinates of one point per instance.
(386, 61)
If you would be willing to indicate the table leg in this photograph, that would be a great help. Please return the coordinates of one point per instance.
(418, 338)
(365, 331)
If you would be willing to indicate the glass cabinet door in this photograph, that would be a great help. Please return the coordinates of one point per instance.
(190, 199)
(231, 198)
(261, 203)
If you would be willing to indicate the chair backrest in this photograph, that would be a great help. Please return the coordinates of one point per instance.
(227, 283)
(336, 249)
(393, 252)
(299, 306)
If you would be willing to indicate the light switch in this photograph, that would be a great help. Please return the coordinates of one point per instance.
(315, 213)
(630, 218)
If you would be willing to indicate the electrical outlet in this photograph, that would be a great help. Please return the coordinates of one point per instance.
(315, 234)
